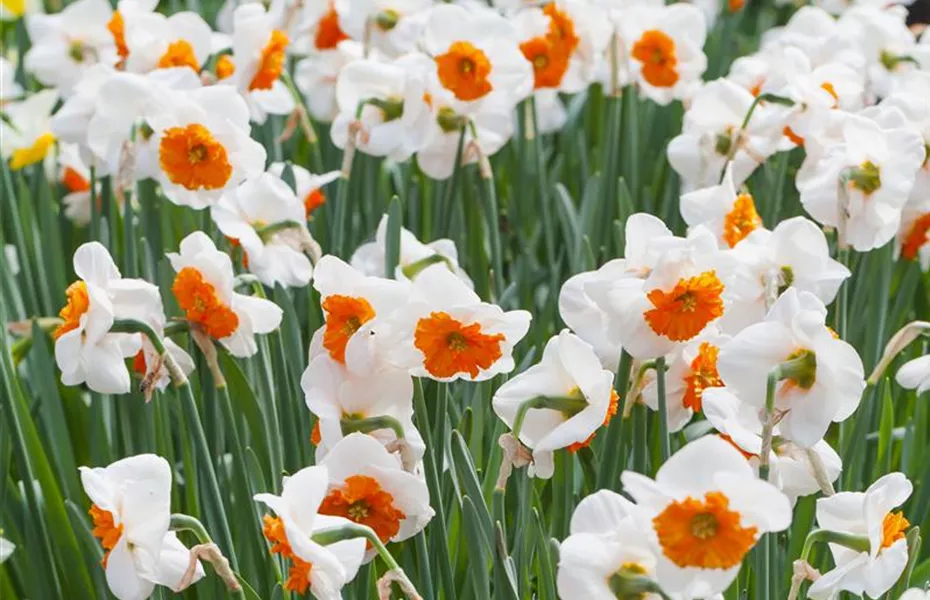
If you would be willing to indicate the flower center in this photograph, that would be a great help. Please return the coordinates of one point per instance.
(917, 236)
(78, 304)
(298, 579)
(192, 158)
(179, 54)
(683, 312)
(656, 51)
(549, 63)
(703, 375)
(23, 157)
(803, 373)
(105, 529)
(363, 501)
(328, 32)
(893, 527)
(344, 316)
(16, 7)
(450, 346)
(464, 70)
(866, 177)
(272, 62)
(225, 67)
(704, 534)
(117, 28)
(74, 181)
(198, 299)
(741, 220)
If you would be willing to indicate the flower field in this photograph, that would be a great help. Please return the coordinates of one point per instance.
(511, 300)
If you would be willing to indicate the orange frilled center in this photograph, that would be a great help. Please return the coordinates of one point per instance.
(117, 28)
(198, 299)
(191, 157)
(105, 529)
(74, 181)
(741, 220)
(789, 133)
(272, 62)
(298, 577)
(703, 533)
(328, 32)
(225, 67)
(894, 527)
(611, 411)
(464, 70)
(344, 316)
(549, 54)
(729, 440)
(314, 200)
(363, 501)
(450, 347)
(78, 304)
(180, 53)
(703, 375)
(917, 236)
(656, 51)
(683, 312)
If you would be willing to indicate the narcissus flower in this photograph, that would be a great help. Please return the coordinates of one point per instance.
(825, 387)
(880, 33)
(259, 57)
(204, 290)
(915, 374)
(692, 370)
(795, 254)
(85, 350)
(367, 485)
(316, 76)
(74, 177)
(729, 215)
(607, 548)
(27, 136)
(204, 146)
(665, 50)
(583, 400)
(707, 510)
(710, 135)
(476, 55)
(383, 106)
(155, 41)
(335, 394)
(130, 511)
(415, 256)
(859, 174)
(126, 12)
(391, 26)
(791, 467)
(250, 214)
(356, 309)
(681, 296)
(322, 570)
(871, 515)
(317, 29)
(446, 332)
(9, 87)
(66, 43)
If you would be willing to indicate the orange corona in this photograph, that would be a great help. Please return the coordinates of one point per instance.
(74, 181)
(298, 576)
(656, 51)
(198, 299)
(179, 54)
(363, 501)
(741, 220)
(272, 62)
(191, 157)
(917, 236)
(344, 316)
(703, 533)
(894, 525)
(464, 69)
(105, 529)
(328, 32)
(78, 304)
(117, 28)
(450, 347)
(683, 312)
(703, 375)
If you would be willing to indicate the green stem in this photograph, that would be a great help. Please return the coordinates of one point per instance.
(768, 424)
(737, 140)
(664, 441)
(564, 404)
(312, 139)
(856, 543)
(367, 425)
(269, 230)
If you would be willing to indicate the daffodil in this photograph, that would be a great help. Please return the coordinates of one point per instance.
(154, 41)
(356, 310)
(308, 186)
(870, 515)
(445, 332)
(368, 486)
(415, 256)
(318, 28)
(130, 511)
(729, 215)
(827, 383)
(706, 510)
(915, 374)
(322, 570)
(391, 26)
(204, 146)
(316, 76)
(561, 402)
(26, 136)
(204, 289)
(66, 43)
(266, 219)
(74, 176)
